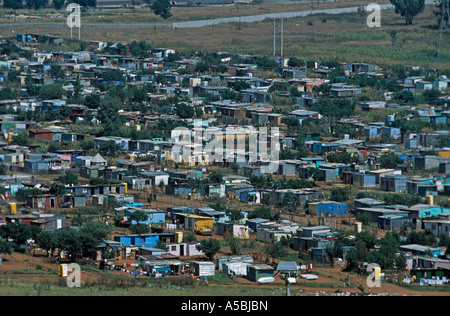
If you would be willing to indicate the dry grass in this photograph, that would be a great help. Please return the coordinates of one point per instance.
(344, 37)
(144, 15)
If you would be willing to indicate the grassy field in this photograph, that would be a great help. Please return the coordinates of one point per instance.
(344, 37)
(10, 287)
(179, 14)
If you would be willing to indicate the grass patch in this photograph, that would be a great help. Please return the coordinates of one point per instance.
(126, 288)
(428, 288)
(27, 271)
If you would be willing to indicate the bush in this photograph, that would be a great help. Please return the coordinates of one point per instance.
(339, 195)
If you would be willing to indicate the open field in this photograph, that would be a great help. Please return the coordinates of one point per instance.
(179, 14)
(343, 37)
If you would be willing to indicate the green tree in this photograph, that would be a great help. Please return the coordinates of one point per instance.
(22, 193)
(139, 229)
(339, 194)
(430, 95)
(316, 174)
(215, 177)
(367, 238)
(138, 217)
(6, 247)
(291, 122)
(235, 215)
(36, 4)
(92, 101)
(86, 3)
(241, 85)
(278, 86)
(13, 4)
(58, 189)
(7, 93)
(109, 116)
(235, 245)
(160, 7)
(387, 252)
(68, 240)
(390, 161)
(68, 178)
(171, 58)
(113, 75)
(295, 62)
(425, 238)
(336, 250)
(22, 138)
(51, 91)
(56, 71)
(58, 4)
(91, 234)
(274, 249)
(343, 157)
(198, 112)
(404, 96)
(352, 259)
(408, 8)
(264, 212)
(111, 148)
(18, 232)
(209, 247)
(336, 108)
(292, 201)
(46, 240)
(185, 111)
(87, 144)
(189, 237)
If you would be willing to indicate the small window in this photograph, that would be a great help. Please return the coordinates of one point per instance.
(174, 248)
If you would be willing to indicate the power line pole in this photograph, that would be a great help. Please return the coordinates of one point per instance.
(282, 37)
(445, 15)
(274, 38)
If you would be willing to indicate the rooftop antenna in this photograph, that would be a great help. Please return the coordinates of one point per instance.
(445, 15)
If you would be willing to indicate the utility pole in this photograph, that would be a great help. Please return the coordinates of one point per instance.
(282, 37)
(274, 38)
(445, 15)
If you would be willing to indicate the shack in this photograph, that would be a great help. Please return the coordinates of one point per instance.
(204, 268)
(327, 208)
(258, 271)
